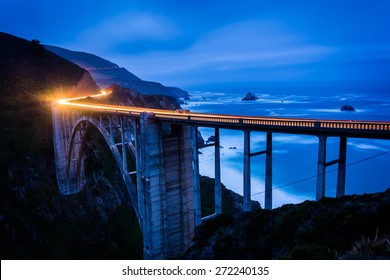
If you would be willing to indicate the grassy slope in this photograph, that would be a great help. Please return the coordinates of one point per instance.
(351, 227)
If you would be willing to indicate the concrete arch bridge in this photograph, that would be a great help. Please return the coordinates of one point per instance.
(166, 192)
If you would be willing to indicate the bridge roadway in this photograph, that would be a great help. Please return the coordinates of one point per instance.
(337, 128)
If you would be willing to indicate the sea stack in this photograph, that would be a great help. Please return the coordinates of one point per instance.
(347, 108)
(249, 96)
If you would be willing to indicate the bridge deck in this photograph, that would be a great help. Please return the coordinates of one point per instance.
(345, 128)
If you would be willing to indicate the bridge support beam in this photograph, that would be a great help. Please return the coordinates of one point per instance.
(195, 162)
(321, 168)
(218, 190)
(123, 143)
(342, 167)
(247, 172)
(268, 173)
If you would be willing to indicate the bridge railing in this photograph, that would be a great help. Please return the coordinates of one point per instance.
(186, 116)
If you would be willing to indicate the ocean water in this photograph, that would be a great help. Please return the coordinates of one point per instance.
(295, 156)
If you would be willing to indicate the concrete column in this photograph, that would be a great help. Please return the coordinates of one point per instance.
(268, 173)
(218, 191)
(151, 191)
(195, 161)
(342, 167)
(247, 172)
(111, 130)
(179, 190)
(321, 168)
(124, 156)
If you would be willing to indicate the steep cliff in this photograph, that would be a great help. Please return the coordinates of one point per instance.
(107, 73)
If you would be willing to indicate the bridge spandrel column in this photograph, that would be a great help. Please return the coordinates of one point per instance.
(61, 142)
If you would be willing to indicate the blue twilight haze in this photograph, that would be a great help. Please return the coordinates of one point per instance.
(196, 43)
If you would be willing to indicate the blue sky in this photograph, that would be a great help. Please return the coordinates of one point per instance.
(193, 43)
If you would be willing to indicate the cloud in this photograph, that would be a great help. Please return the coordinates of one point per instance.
(249, 44)
(126, 28)
(363, 146)
(295, 139)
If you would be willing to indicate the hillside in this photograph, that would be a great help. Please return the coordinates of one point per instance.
(106, 73)
(36, 221)
(350, 227)
(127, 97)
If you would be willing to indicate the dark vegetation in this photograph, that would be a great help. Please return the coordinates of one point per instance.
(351, 227)
(231, 201)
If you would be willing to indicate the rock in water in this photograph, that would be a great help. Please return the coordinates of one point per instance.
(249, 96)
(347, 108)
(211, 139)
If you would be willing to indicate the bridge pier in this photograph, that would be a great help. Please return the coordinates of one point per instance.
(341, 173)
(247, 171)
(195, 162)
(268, 173)
(322, 164)
(217, 166)
(321, 167)
(165, 192)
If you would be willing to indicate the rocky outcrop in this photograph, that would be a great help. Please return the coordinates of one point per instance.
(211, 139)
(347, 108)
(86, 85)
(249, 96)
(128, 97)
(199, 138)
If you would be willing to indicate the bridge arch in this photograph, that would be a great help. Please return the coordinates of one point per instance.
(75, 162)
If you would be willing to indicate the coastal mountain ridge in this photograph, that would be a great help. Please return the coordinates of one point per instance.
(106, 73)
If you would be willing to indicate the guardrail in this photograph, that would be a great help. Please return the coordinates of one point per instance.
(186, 116)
